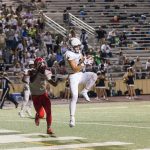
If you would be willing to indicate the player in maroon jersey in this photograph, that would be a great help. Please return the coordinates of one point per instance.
(39, 76)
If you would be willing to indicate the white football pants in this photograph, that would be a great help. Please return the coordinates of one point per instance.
(87, 78)
(27, 104)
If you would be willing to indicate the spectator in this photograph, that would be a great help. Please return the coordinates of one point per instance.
(100, 86)
(66, 17)
(115, 19)
(147, 67)
(138, 65)
(100, 35)
(122, 39)
(17, 69)
(84, 40)
(59, 57)
(67, 90)
(2, 40)
(72, 33)
(106, 50)
(126, 63)
(82, 14)
(48, 42)
(111, 36)
(121, 58)
(41, 23)
(41, 3)
(97, 58)
(130, 82)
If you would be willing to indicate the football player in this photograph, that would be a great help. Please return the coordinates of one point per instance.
(6, 83)
(38, 77)
(26, 105)
(75, 63)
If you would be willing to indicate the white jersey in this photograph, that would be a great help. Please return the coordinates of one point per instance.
(70, 55)
(26, 75)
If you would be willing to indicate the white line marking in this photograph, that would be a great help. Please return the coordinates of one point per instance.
(144, 149)
(108, 107)
(7, 131)
(146, 105)
(105, 124)
(113, 125)
(74, 146)
(90, 123)
(21, 138)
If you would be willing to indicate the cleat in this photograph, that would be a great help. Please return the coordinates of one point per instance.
(85, 95)
(37, 120)
(72, 122)
(49, 131)
(21, 114)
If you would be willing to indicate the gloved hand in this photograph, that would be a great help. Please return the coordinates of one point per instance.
(88, 60)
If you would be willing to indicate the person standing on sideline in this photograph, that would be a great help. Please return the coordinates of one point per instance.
(130, 77)
(74, 64)
(100, 86)
(48, 42)
(126, 81)
(6, 88)
(67, 91)
(27, 103)
(38, 77)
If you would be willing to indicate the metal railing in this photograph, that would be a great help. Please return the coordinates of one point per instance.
(58, 28)
(51, 23)
(82, 25)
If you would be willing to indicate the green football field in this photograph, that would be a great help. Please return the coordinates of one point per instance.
(99, 126)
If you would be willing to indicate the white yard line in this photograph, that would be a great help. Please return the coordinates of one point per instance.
(89, 123)
(144, 149)
(74, 146)
(23, 138)
(114, 125)
(119, 107)
(106, 124)
(146, 105)
(7, 131)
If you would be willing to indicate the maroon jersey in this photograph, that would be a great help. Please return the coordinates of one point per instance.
(38, 86)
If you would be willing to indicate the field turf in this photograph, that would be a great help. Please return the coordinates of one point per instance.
(106, 124)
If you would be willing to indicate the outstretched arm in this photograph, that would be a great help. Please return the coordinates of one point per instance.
(52, 82)
(10, 82)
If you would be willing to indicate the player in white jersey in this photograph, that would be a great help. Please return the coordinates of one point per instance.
(27, 103)
(75, 63)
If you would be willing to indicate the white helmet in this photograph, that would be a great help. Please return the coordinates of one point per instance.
(31, 62)
(75, 42)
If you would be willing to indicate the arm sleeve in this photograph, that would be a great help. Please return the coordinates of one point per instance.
(48, 74)
(69, 56)
(8, 80)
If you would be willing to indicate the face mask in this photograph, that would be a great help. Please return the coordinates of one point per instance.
(77, 49)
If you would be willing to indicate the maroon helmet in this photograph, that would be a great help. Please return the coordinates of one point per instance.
(40, 64)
